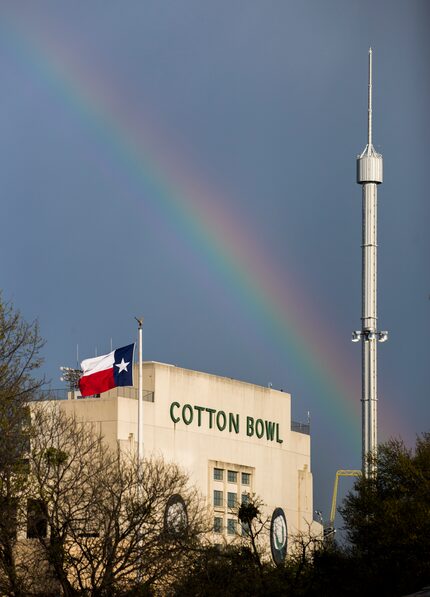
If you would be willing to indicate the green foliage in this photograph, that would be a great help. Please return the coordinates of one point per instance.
(216, 571)
(55, 457)
(388, 519)
(232, 572)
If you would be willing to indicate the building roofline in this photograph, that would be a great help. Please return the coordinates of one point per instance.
(221, 377)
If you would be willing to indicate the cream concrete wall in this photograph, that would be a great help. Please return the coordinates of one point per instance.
(282, 473)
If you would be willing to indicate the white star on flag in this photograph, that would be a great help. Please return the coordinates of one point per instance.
(122, 366)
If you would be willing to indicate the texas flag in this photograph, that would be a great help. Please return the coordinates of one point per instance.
(108, 371)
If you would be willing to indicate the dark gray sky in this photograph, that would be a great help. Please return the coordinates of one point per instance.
(194, 162)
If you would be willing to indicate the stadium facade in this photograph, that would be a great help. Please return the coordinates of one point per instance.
(233, 439)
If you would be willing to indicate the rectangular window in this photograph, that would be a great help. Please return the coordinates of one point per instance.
(245, 498)
(217, 498)
(232, 476)
(231, 526)
(231, 499)
(245, 529)
(246, 478)
(218, 474)
(217, 524)
(37, 525)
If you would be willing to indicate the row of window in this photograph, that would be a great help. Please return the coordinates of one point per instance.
(231, 499)
(232, 525)
(231, 476)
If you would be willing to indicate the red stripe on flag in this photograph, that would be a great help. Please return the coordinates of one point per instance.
(96, 383)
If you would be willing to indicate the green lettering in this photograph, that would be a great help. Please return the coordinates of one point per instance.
(187, 418)
(211, 412)
(199, 410)
(249, 426)
(270, 430)
(221, 415)
(280, 441)
(172, 416)
(259, 428)
(233, 422)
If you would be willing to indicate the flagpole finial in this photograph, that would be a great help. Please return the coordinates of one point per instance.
(139, 320)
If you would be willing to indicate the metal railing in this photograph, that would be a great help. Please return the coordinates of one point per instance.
(301, 427)
(123, 392)
(130, 392)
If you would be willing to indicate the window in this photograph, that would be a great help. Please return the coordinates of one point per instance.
(231, 526)
(218, 474)
(231, 499)
(245, 529)
(36, 519)
(245, 498)
(217, 524)
(232, 476)
(230, 485)
(217, 498)
(246, 478)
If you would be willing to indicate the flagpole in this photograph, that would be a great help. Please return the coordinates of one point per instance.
(139, 431)
(140, 397)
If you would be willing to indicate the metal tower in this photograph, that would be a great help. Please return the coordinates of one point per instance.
(369, 175)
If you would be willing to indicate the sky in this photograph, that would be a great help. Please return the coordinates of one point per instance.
(194, 163)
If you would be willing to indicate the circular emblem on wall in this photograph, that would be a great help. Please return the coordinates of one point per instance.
(278, 536)
(175, 516)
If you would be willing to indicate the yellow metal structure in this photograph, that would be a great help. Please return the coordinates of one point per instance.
(340, 473)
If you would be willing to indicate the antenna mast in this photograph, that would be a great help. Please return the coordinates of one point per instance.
(369, 175)
(369, 103)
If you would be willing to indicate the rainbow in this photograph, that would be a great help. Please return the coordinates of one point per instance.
(278, 306)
